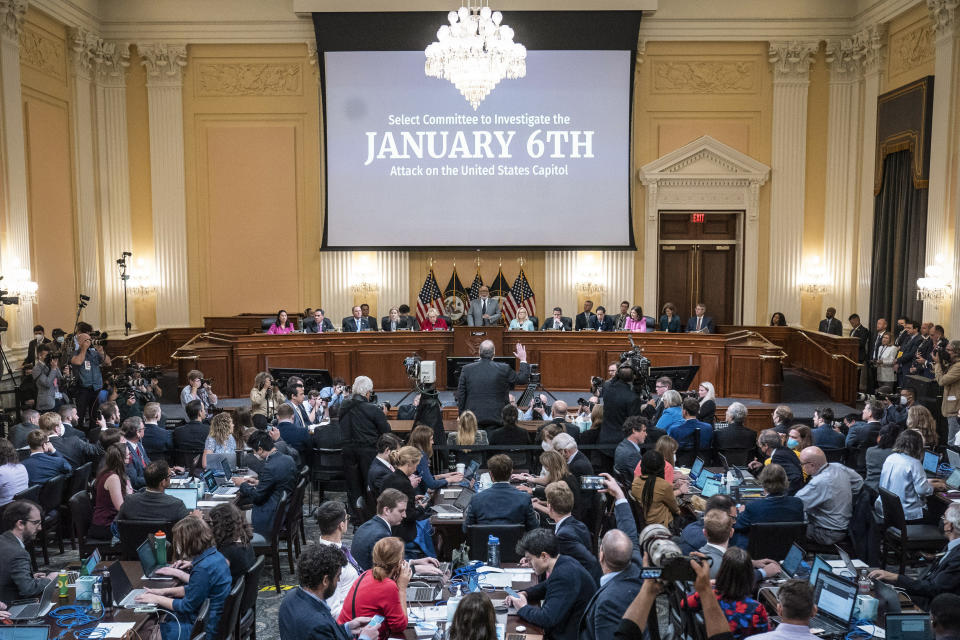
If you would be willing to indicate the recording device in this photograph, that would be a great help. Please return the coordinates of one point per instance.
(419, 370)
(640, 365)
(375, 620)
(98, 338)
(943, 356)
(592, 482)
(665, 556)
(586, 403)
(596, 386)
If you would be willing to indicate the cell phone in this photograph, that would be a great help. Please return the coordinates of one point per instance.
(375, 620)
(651, 573)
(511, 592)
(592, 482)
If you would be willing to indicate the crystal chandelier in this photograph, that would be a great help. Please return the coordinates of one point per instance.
(934, 288)
(475, 52)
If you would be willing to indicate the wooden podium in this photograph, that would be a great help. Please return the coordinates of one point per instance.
(466, 340)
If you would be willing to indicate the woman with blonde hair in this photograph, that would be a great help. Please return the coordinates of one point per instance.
(415, 527)
(422, 438)
(522, 322)
(920, 419)
(708, 406)
(381, 591)
(468, 433)
(555, 469)
(265, 397)
(220, 440)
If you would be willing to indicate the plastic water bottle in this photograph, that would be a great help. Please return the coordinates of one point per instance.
(452, 603)
(160, 547)
(493, 551)
(106, 591)
(96, 602)
(863, 582)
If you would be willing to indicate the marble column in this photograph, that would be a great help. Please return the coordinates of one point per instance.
(945, 136)
(791, 79)
(15, 252)
(871, 48)
(165, 64)
(113, 165)
(840, 210)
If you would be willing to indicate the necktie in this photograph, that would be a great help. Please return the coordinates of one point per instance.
(143, 463)
(699, 319)
(393, 326)
(320, 327)
(358, 324)
(349, 556)
(483, 307)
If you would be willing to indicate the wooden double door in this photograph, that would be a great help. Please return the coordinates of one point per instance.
(698, 262)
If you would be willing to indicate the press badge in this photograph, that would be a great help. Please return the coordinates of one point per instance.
(86, 365)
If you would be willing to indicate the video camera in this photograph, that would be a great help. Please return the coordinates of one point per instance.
(98, 338)
(640, 365)
(422, 372)
(669, 563)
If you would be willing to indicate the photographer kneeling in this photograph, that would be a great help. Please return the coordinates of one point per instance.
(947, 374)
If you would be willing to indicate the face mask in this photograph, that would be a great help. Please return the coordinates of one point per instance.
(60, 339)
(38, 336)
(793, 444)
(545, 446)
(903, 400)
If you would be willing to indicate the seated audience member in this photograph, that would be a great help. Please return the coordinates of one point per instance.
(903, 475)
(332, 519)
(44, 463)
(635, 320)
(627, 455)
(405, 461)
(153, 503)
(827, 497)
(699, 322)
(877, 455)
(563, 595)
(782, 419)
(945, 616)
(132, 429)
(282, 325)
(192, 436)
(501, 503)
(577, 463)
(667, 447)
(220, 438)
(557, 322)
(672, 415)
(920, 419)
(825, 435)
(475, 618)
(305, 613)
(381, 591)
(510, 433)
(771, 448)
(394, 322)
(381, 467)
(69, 419)
(157, 441)
(655, 494)
(692, 538)
(278, 475)
(522, 322)
(110, 489)
(467, 433)
(295, 435)
(775, 506)
(18, 434)
(670, 321)
(391, 509)
(717, 529)
(795, 607)
(941, 577)
(21, 522)
(422, 439)
(573, 537)
(864, 434)
(433, 321)
(553, 469)
(265, 399)
(799, 438)
(13, 475)
(778, 320)
(708, 406)
(735, 578)
(75, 450)
(559, 417)
(736, 435)
(692, 436)
(233, 536)
(328, 436)
(209, 580)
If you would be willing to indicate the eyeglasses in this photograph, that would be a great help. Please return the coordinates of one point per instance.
(37, 521)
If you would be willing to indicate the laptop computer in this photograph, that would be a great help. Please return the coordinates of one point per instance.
(459, 506)
(792, 564)
(835, 598)
(907, 626)
(953, 457)
(148, 560)
(38, 607)
(953, 480)
(124, 595)
(819, 564)
(710, 488)
(425, 593)
(696, 468)
(186, 495)
(217, 488)
(26, 632)
(931, 463)
(889, 600)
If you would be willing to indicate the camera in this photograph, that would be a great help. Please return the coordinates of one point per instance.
(586, 403)
(98, 338)
(943, 356)
(640, 365)
(207, 381)
(596, 385)
(421, 371)
(664, 554)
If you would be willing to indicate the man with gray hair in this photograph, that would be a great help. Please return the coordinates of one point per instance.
(484, 386)
(770, 445)
(828, 496)
(944, 575)
(361, 423)
(577, 463)
(736, 435)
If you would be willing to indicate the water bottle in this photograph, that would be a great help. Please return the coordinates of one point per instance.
(452, 603)
(96, 603)
(863, 582)
(106, 591)
(160, 547)
(493, 551)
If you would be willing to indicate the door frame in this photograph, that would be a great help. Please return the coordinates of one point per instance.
(705, 175)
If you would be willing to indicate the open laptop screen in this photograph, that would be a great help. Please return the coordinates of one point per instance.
(33, 632)
(791, 564)
(901, 626)
(696, 468)
(836, 596)
(187, 495)
(930, 461)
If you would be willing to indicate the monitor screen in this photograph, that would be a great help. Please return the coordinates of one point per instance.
(901, 626)
(835, 596)
(37, 632)
(188, 496)
(930, 461)
(696, 468)
(819, 564)
(791, 563)
(953, 482)
(92, 562)
(711, 488)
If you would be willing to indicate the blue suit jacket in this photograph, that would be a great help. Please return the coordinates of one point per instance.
(304, 617)
(563, 598)
(46, 466)
(625, 458)
(782, 508)
(369, 533)
(295, 435)
(706, 326)
(278, 474)
(607, 325)
(501, 504)
(684, 434)
(573, 539)
(156, 439)
(825, 436)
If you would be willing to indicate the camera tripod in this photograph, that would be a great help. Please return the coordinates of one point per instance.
(124, 276)
(8, 370)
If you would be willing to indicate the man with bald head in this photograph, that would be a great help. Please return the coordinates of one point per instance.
(828, 496)
(484, 386)
(620, 560)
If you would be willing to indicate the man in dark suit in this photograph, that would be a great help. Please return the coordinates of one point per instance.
(735, 435)
(563, 596)
(601, 321)
(18, 434)
(39, 338)
(620, 402)
(700, 322)
(69, 420)
(132, 429)
(770, 446)
(558, 322)
(293, 434)
(391, 508)
(484, 310)
(942, 577)
(21, 521)
(775, 506)
(44, 463)
(824, 434)
(157, 441)
(573, 537)
(192, 436)
(380, 467)
(304, 614)
(577, 463)
(395, 322)
(484, 386)
(830, 324)
(583, 319)
(365, 313)
(861, 333)
(501, 503)
(153, 503)
(278, 474)
(356, 322)
(909, 344)
(692, 435)
(628, 452)
(75, 450)
(318, 324)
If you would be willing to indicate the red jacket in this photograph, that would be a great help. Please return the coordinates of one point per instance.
(369, 597)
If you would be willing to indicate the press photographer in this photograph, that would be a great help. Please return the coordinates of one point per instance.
(88, 358)
(620, 401)
(198, 388)
(133, 391)
(947, 374)
(48, 378)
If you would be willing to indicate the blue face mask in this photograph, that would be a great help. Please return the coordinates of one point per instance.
(793, 444)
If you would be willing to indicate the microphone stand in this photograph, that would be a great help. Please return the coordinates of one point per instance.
(124, 276)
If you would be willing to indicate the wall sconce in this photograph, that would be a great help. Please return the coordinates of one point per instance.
(364, 275)
(934, 287)
(589, 275)
(813, 277)
(142, 283)
(21, 286)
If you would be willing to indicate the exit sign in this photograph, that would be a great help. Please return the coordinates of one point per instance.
(696, 218)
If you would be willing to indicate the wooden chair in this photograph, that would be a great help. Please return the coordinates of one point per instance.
(271, 546)
(51, 495)
(247, 620)
(903, 537)
(231, 611)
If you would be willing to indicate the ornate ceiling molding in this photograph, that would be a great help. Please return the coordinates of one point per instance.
(791, 60)
(164, 62)
(12, 13)
(872, 48)
(944, 13)
(92, 56)
(845, 60)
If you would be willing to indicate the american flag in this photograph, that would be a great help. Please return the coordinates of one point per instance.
(429, 297)
(475, 287)
(520, 295)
